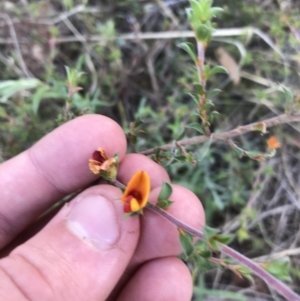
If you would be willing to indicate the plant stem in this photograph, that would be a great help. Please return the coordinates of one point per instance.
(202, 81)
(281, 119)
(270, 280)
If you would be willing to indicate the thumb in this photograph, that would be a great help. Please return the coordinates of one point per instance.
(79, 255)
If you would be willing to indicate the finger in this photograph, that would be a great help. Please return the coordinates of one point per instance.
(129, 165)
(52, 168)
(79, 255)
(165, 279)
(159, 237)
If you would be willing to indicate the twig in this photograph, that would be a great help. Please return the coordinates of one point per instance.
(274, 121)
(278, 255)
(14, 37)
(276, 284)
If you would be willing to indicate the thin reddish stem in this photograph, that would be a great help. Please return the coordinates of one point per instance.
(273, 282)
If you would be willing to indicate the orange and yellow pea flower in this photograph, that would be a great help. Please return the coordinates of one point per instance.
(136, 194)
(101, 163)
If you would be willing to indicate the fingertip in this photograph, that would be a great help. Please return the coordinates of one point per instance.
(187, 207)
(160, 279)
(81, 253)
(63, 154)
(159, 237)
(55, 166)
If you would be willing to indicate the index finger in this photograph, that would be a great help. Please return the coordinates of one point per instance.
(52, 168)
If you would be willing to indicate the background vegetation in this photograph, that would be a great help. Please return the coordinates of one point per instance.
(143, 84)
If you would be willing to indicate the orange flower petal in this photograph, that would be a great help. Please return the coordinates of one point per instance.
(94, 166)
(273, 142)
(99, 155)
(138, 189)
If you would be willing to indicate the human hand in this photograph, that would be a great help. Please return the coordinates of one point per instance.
(87, 250)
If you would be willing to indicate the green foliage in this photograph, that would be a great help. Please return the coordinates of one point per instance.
(187, 244)
(190, 49)
(163, 197)
(201, 292)
(200, 15)
(279, 268)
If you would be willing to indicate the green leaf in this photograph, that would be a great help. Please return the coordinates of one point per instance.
(199, 88)
(73, 76)
(242, 234)
(288, 95)
(180, 134)
(202, 249)
(165, 192)
(194, 97)
(10, 87)
(186, 242)
(279, 268)
(224, 238)
(164, 204)
(209, 232)
(43, 92)
(213, 92)
(215, 70)
(238, 151)
(215, 11)
(190, 49)
(196, 126)
(203, 33)
(245, 272)
(213, 115)
(214, 244)
(259, 156)
(197, 9)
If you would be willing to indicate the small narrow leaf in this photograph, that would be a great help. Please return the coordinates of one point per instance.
(213, 92)
(199, 88)
(186, 242)
(279, 268)
(202, 249)
(288, 95)
(196, 126)
(194, 97)
(224, 238)
(215, 11)
(180, 134)
(190, 49)
(209, 232)
(197, 9)
(238, 150)
(164, 204)
(165, 192)
(245, 272)
(216, 70)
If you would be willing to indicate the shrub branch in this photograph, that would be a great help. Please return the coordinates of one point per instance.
(270, 280)
(240, 130)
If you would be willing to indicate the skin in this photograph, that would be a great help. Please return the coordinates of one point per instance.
(47, 260)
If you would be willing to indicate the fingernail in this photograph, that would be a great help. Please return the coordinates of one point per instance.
(94, 219)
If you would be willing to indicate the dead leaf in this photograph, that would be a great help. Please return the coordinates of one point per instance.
(227, 61)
